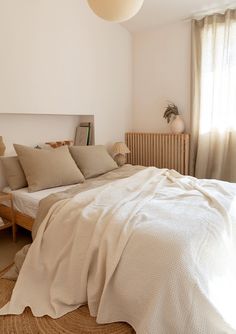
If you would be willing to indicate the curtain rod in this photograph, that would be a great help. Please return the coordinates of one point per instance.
(216, 10)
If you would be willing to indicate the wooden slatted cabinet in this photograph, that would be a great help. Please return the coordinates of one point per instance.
(162, 150)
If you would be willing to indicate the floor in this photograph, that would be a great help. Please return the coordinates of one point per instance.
(8, 248)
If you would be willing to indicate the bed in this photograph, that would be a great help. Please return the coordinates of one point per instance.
(26, 204)
(146, 246)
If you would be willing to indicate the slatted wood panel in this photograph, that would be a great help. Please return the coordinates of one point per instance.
(162, 150)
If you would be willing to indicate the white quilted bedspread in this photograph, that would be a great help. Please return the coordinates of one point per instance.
(156, 250)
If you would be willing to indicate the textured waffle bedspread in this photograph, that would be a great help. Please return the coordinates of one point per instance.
(155, 249)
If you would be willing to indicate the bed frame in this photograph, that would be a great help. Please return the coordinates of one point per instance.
(21, 219)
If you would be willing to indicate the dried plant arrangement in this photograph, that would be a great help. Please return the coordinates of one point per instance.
(170, 110)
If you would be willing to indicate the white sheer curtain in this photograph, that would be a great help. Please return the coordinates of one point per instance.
(214, 97)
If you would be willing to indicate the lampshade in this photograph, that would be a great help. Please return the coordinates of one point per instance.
(115, 10)
(120, 148)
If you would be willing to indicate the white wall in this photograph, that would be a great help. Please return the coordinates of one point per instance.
(35, 130)
(57, 57)
(161, 74)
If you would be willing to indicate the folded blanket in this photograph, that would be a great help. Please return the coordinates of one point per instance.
(156, 250)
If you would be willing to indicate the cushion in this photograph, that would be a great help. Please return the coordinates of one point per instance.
(92, 160)
(48, 168)
(14, 173)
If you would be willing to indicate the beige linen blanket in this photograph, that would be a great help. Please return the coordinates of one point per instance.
(156, 250)
(45, 204)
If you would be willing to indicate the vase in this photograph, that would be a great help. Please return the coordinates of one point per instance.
(2, 146)
(177, 125)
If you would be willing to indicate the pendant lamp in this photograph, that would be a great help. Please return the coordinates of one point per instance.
(115, 10)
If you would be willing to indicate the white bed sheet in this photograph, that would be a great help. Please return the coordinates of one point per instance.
(28, 203)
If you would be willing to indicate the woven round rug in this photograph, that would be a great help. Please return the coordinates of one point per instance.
(76, 322)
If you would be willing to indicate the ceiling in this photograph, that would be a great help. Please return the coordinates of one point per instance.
(156, 12)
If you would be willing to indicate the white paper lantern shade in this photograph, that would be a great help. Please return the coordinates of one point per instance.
(115, 10)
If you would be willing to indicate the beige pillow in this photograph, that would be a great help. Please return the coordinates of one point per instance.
(48, 168)
(14, 173)
(92, 160)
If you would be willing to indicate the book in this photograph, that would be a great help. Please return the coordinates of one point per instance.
(83, 134)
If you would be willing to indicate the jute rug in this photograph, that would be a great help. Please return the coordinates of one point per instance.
(76, 322)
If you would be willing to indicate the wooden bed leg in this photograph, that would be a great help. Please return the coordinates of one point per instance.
(13, 221)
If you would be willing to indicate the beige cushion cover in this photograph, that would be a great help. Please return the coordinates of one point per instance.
(48, 168)
(14, 173)
(92, 160)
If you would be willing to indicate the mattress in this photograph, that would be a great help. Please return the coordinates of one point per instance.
(28, 203)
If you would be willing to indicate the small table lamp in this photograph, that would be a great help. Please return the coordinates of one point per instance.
(119, 151)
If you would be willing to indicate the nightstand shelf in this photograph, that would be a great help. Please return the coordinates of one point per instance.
(4, 197)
